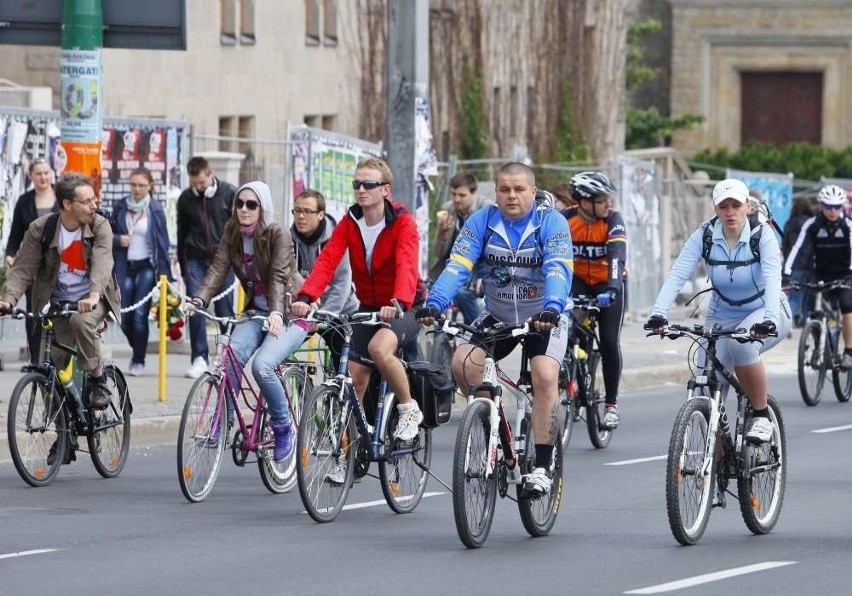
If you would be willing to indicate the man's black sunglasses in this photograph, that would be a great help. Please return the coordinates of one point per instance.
(368, 184)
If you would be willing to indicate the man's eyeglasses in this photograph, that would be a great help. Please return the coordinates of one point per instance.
(251, 205)
(88, 201)
(305, 212)
(367, 184)
(832, 207)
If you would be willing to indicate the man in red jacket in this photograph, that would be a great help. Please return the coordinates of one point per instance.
(383, 244)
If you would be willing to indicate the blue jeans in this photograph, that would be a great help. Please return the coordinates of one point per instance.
(134, 286)
(273, 350)
(192, 277)
(467, 304)
(799, 299)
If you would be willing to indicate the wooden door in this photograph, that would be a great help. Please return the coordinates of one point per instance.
(781, 107)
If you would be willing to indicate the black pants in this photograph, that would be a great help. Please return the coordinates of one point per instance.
(610, 320)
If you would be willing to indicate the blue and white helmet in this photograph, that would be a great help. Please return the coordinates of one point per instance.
(832, 195)
(588, 185)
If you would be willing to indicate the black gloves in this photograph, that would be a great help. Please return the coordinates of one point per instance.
(548, 315)
(657, 324)
(766, 328)
(427, 312)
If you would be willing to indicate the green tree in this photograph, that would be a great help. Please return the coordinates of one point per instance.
(473, 141)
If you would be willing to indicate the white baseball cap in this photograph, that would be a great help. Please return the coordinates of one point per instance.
(730, 189)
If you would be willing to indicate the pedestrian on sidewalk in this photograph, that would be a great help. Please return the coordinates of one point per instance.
(260, 253)
(203, 209)
(140, 248)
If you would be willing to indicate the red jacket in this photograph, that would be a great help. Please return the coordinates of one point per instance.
(394, 271)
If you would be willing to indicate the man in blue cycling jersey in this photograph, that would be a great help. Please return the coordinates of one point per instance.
(526, 259)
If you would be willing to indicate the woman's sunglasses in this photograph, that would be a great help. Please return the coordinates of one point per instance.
(832, 207)
(250, 204)
(367, 184)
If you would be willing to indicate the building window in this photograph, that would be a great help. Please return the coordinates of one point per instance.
(247, 37)
(227, 132)
(312, 120)
(245, 130)
(312, 23)
(228, 23)
(329, 22)
(328, 122)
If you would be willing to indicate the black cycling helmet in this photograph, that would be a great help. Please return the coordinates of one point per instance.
(588, 185)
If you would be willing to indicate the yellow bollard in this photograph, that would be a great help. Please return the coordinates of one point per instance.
(164, 291)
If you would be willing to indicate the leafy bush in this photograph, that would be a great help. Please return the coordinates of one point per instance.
(804, 160)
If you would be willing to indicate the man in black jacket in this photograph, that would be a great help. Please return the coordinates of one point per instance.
(203, 209)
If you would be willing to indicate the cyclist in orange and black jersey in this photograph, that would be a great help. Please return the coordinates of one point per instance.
(600, 250)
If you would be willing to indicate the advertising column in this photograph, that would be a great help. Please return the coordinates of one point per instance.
(80, 89)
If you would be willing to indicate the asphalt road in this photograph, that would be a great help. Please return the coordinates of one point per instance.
(137, 535)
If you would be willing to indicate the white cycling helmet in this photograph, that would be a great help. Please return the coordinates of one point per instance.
(588, 185)
(832, 195)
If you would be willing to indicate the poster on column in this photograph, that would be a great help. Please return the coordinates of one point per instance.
(324, 161)
(775, 189)
(80, 114)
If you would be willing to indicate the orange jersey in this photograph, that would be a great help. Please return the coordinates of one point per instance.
(600, 248)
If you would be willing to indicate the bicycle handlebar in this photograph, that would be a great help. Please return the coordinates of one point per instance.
(821, 285)
(325, 316)
(250, 315)
(57, 310)
(454, 328)
(586, 303)
(697, 330)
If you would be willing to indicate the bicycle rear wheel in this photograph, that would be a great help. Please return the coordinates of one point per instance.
(764, 477)
(109, 439)
(568, 401)
(280, 477)
(37, 430)
(326, 447)
(688, 491)
(404, 475)
(813, 362)
(538, 513)
(474, 493)
(201, 438)
(595, 404)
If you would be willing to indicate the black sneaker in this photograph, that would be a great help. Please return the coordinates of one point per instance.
(100, 395)
(70, 454)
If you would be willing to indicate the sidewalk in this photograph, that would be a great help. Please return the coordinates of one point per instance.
(648, 363)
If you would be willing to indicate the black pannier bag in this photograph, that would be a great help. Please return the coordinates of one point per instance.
(433, 389)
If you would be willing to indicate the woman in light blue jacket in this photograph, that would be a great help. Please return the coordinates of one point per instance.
(744, 266)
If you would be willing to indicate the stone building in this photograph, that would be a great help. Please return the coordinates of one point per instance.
(762, 70)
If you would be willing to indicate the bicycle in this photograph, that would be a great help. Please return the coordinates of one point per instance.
(819, 346)
(580, 378)
(48, 412)
(213, 404)
(706, 452)
(337, 444)
(490, 455)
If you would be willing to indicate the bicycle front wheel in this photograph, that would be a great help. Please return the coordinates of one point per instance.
(595, 404)
(109, 439)
(37, 430)
(404, 472)
(201, 438)
(841, 377)
(813, 362)
(280, 477)
(764, 477)
(474, 492)
(326, 447)
(538, 513)
(688, 490)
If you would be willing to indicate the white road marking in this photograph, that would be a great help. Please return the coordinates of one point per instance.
(710, 577)
(641, 460)
(381, 502)
(832, 429)
(26, 553)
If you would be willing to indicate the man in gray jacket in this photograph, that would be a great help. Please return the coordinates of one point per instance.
(311, 229)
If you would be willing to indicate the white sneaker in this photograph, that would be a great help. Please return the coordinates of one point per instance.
(407, 426)
(761, 430)
(538, 482)
(136, 369)
(610, 419)
(198, 368)
(337, 475)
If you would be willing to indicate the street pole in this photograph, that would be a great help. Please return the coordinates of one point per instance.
(408, 83)
(81, 93)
